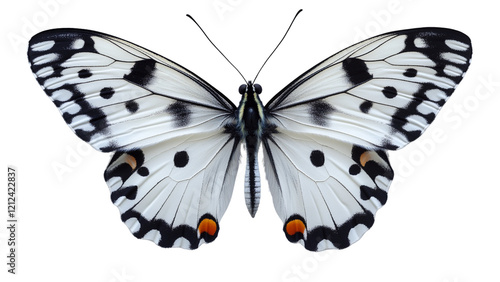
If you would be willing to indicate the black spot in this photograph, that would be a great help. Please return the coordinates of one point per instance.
(339, 236)
(84, 73)
(356, 70)
(399, 119)
(413, 135)
(181, 113)
(143, 171)
(107, 92)
(142, 72)
(130, 192)
(429, 117)
(84, 135)
(354, 169)
(319, 112)
(386, 144)
(168, 235)
(390, 92)
(112, 146)
(411, 72)
(132, 106)
(181, 159)
(365, 106)
(317, 158)
(368, 192)
(68, 118)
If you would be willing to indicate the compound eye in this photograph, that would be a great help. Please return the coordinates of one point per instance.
(242, 89)
(258, 88)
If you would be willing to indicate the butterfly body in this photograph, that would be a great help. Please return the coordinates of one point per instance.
(251, 121)
(176, 139)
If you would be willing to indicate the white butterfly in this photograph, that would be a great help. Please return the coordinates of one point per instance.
(177, 139)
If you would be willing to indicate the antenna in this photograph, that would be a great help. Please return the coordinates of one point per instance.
(279, 43)
(189, 16)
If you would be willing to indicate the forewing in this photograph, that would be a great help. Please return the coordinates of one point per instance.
(380, 93)
(106, 88)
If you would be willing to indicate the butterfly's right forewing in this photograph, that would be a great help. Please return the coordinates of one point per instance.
(105, 86)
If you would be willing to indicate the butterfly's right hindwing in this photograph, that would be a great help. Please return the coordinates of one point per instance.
(174, 135)
(175, 197)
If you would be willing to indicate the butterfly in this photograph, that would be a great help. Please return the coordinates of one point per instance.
(176, 139)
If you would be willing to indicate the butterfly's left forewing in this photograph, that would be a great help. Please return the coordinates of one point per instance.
(173, 134)
(380, 93)
(327, 131)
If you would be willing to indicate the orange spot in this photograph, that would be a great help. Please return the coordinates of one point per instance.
(295, 226)
(364, 158)
(131, 161)
(208, 226)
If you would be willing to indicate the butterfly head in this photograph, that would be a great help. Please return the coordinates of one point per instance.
(250, 88)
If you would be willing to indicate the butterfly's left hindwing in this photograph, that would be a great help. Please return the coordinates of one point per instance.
(327, 131)
(326, 191)
(174, 135)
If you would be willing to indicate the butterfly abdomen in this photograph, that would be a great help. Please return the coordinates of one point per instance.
(252, 184)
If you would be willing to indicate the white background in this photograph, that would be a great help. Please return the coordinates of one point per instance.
(441, 222)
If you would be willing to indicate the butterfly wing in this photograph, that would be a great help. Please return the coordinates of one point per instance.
(176, 151)
(326, 191)
(330, 126)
